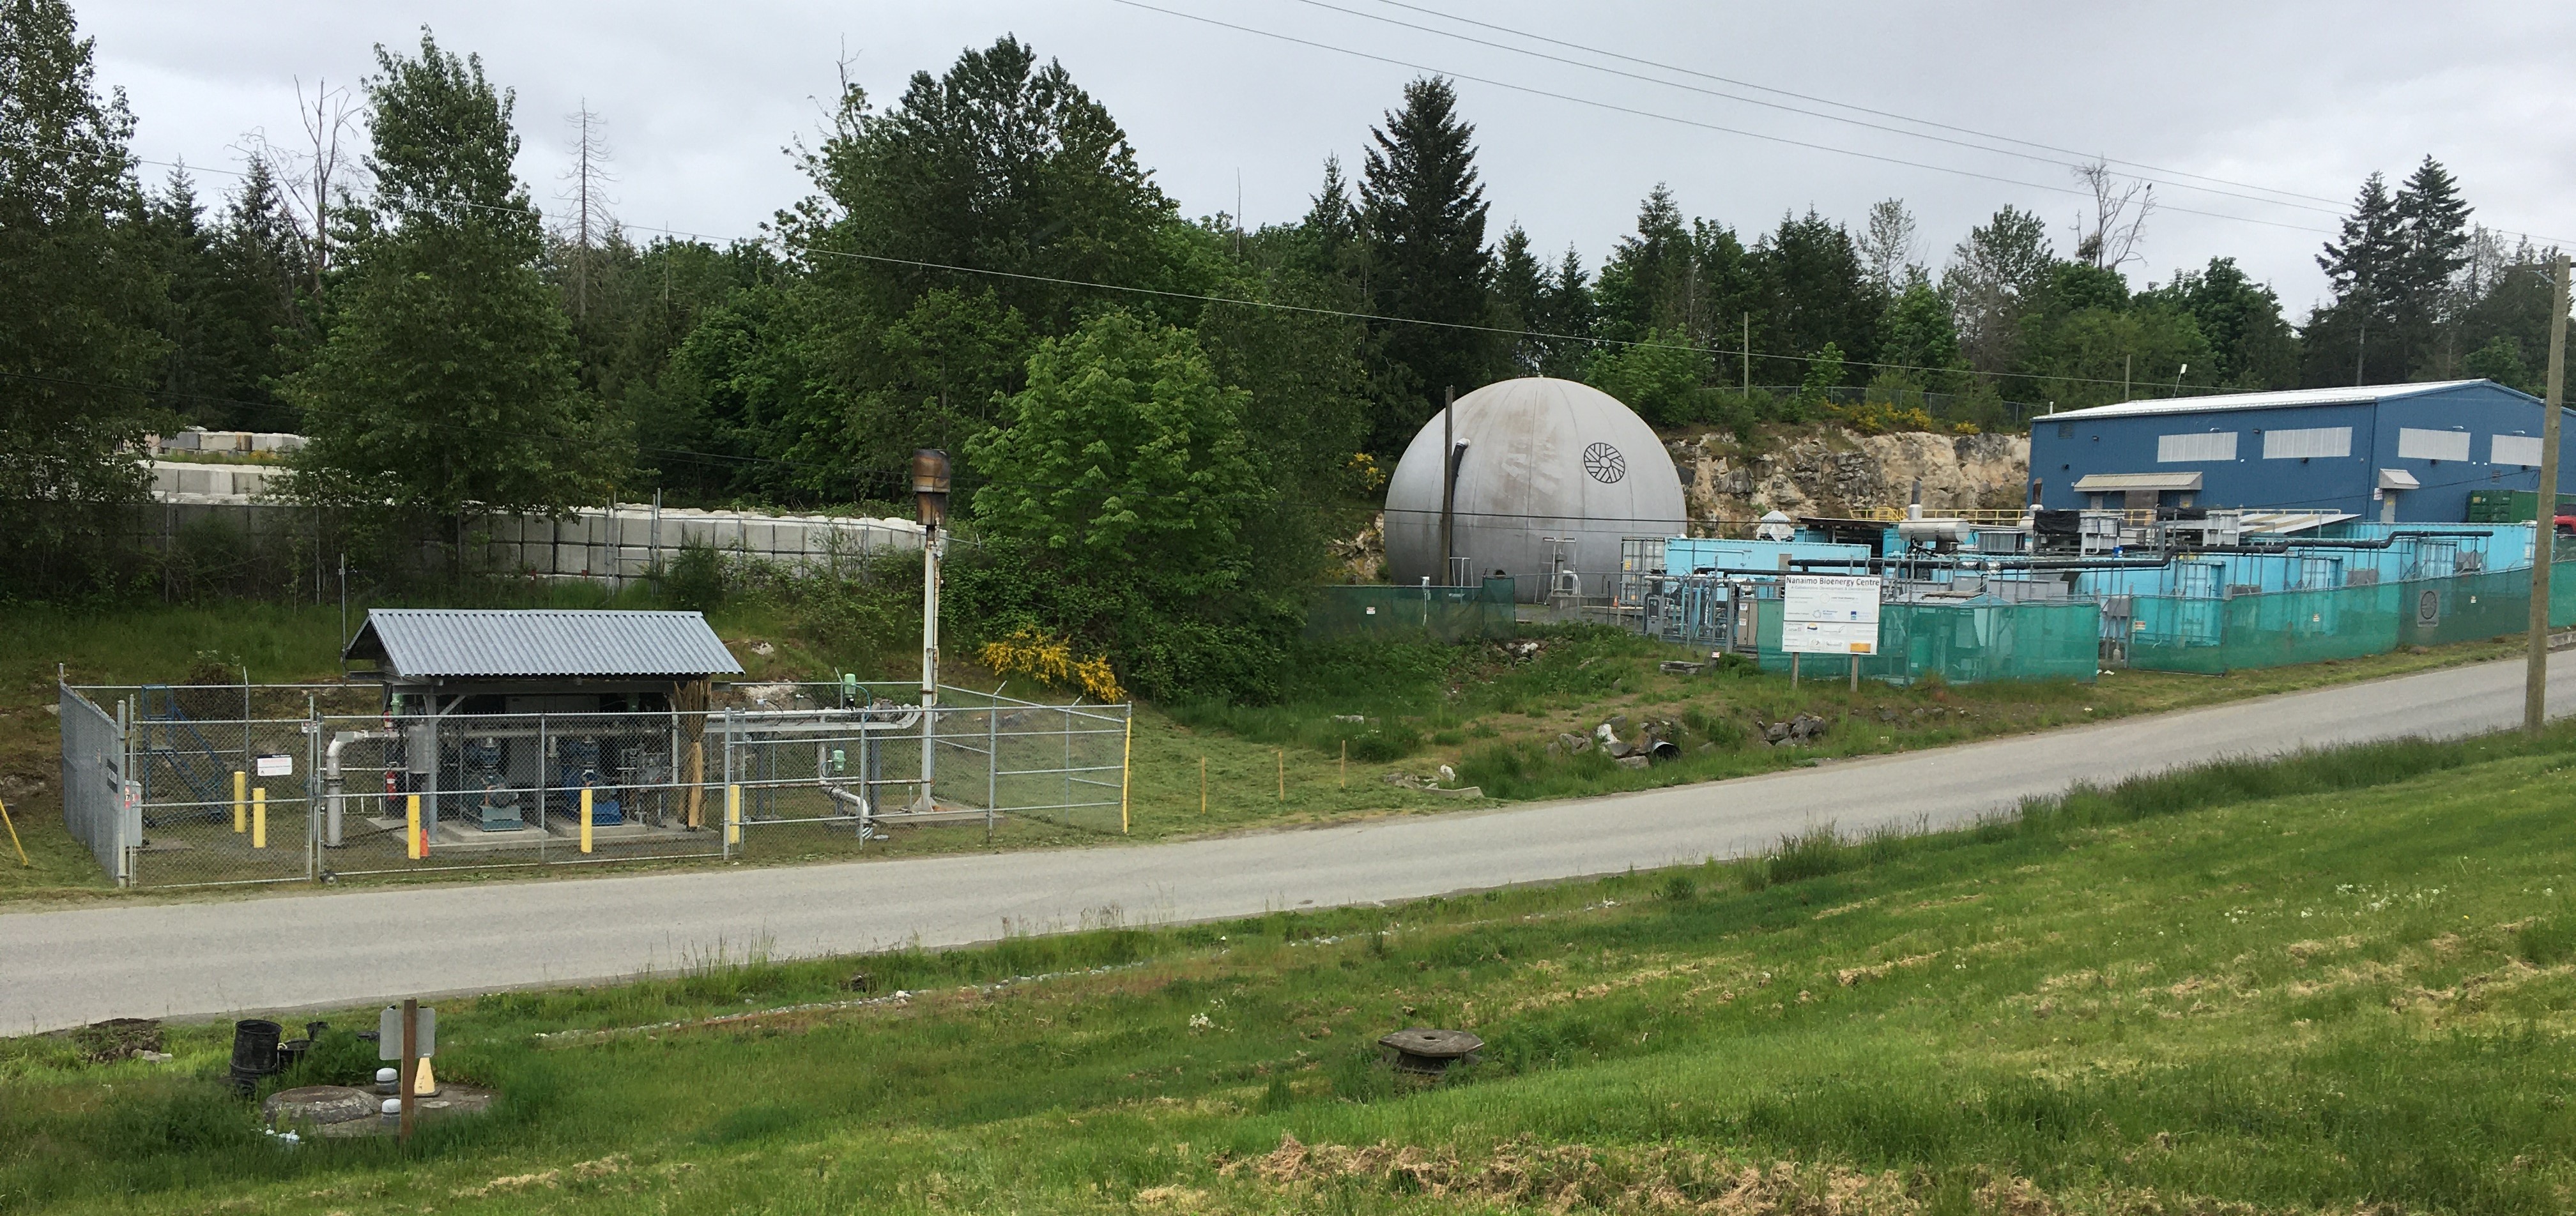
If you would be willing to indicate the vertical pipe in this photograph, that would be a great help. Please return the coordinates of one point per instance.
(1448, 481)
(259, 818)
(415, 845)
(241, 783)
(585, 817)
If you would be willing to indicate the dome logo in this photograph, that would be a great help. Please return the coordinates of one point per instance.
(1604, 463)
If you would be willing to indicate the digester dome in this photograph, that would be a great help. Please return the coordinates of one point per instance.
(1552, 475)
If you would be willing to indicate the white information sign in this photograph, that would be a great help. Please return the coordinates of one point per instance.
(277, 766)
(1829, 614)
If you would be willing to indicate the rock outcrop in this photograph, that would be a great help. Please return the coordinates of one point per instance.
(1836, 472)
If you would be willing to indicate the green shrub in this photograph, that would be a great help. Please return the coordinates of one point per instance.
(695, 579)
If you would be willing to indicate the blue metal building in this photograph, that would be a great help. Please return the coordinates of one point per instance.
(2395, 453)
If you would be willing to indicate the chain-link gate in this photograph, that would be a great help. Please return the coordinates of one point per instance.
(176, 787)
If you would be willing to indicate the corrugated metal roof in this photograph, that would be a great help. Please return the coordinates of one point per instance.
(442, 643)
(2287, 399)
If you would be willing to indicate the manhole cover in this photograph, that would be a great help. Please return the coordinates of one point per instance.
(1425, 1050)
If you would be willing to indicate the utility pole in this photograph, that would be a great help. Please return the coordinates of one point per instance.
(2127, 362)
(1448, 481)
(930, 497)
(2544, 514)
(1748, 355)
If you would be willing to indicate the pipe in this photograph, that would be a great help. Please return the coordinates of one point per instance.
(331, 779)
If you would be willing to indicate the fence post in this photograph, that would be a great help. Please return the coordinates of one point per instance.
(1126, 764)
(992, 767)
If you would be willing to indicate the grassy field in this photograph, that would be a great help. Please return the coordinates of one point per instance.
(2339, 983)
(1488, 712)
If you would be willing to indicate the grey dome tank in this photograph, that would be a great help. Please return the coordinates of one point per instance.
(1552, 475)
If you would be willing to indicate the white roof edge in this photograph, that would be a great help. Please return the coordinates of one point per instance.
(2282, 399)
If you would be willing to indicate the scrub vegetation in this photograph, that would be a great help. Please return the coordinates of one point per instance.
(2333, 983)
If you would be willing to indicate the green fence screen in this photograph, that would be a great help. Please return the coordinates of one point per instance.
(2212, 635)
(1962, 643)
(1443, 614)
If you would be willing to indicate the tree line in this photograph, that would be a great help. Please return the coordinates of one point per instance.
(1161, 422)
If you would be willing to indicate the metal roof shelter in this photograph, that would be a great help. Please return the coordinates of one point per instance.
(445, 644)
(2396, 453)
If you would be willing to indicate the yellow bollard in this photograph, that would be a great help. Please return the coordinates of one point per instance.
(585, 819)
(733, 815)
(241, 781)
(259, 818)
(415, 845)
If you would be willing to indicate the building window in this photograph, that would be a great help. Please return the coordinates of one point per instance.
(2414, 443)
(2196, 445)
(2515, 449)
(2310, 441)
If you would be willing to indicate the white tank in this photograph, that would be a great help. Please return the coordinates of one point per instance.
(1552, 475)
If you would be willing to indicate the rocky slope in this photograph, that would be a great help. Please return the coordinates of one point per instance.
(1831, 471)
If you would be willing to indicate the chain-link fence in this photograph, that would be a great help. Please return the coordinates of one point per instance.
(1441, 614)
(176, 787)
(2216, 633)
(1962, 643)
(870, 762)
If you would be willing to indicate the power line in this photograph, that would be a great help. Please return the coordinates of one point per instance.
(1755, 101)
(1827, 101)
(1671, 118)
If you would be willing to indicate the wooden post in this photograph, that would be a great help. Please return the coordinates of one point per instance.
(1346, 764)
(259, 818)
(1202, 785)
(410, 1062)
(697, 780)
(2544, 514)
(1283, 774)
(585, 818)
(241, 782)
(1855, 673)
(1793, 669)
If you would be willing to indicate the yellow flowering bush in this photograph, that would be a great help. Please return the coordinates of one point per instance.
(1033, 652)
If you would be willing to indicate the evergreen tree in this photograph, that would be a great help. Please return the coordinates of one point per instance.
(77, 320)
(231, 313)
(2351, 341)
(1520, 301)
(1330, 233)
(1422, 215)
(1815, 292)
(2433, 242)
(1648, 282)
(447, 384)
(1922, 340)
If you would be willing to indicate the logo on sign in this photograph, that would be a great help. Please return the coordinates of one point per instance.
(1604, 463)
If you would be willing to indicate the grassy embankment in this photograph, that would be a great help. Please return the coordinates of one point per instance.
(1483, 710)
(2338, 983)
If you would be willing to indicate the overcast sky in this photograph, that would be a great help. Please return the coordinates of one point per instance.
(700, 99)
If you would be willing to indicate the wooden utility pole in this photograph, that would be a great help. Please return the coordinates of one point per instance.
(2544, 514)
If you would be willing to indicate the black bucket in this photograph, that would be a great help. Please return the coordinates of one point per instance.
(255, 1052)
